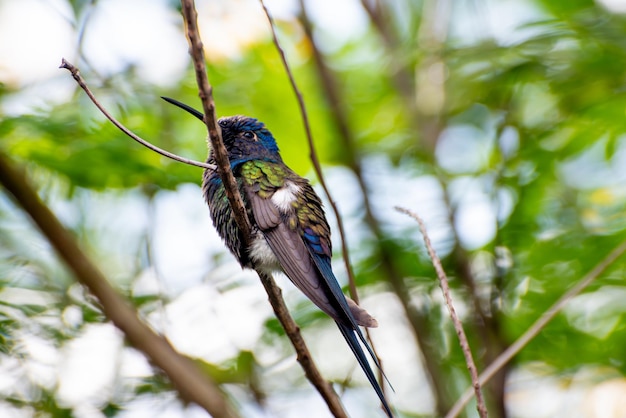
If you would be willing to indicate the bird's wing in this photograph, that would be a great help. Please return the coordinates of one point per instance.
(304, 254)
(290, 250)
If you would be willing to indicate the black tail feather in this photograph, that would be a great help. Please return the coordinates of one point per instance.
(350, 335)
(183, 106)
(374, 358)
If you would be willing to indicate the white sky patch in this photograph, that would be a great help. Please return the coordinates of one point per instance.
(392, 186)
(30, 59)
(143, 33)
(184, 237)
(28, 55)
(42, 356)
(500, 19)
(599, 312)
(463, 149)
(215, 326)
(616, 6)
(229, 27)
(337, 21)
(475, 213)
(88, 369)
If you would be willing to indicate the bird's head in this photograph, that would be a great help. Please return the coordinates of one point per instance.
(245, 138)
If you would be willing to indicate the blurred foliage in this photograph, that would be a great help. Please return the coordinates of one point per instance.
(535, 126)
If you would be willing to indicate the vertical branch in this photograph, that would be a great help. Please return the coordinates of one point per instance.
(303, 355)
(329, 85)
(318, 170)
(313, 156)
(189, 381)
(234, 197)
(196, 50)
(458, 326)
(417, 320)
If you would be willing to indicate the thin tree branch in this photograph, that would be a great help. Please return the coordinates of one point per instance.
(76, 75)
(458, 326)
(196, 49)
(343, 128)
(539, 324)
(313, 156)
(223, 167)
(303, 354)
(318, 171)
(338, 111)
(417, 320)
(189, 381)
(240, 215)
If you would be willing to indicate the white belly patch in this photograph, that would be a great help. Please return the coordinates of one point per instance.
(284, 196)
(262, 255)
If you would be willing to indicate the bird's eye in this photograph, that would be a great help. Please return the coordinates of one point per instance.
(249, 135)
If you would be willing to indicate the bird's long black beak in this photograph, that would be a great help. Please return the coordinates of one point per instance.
(183, 106)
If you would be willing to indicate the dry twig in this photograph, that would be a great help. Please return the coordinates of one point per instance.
(313, 155)
(303, 355)
(76, 75)
(536, 327)
(205, 92)
(330, 88)
(458, 326)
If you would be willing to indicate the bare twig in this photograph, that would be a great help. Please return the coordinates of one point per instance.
(338, 112)
(313, 156)
(417, 320)
(189, 381)
(330, 87)
(536, 327)
(76, 75)
(273, 291)
(458, 326)
(318, 171)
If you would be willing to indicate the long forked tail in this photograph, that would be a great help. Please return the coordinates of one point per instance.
(350, 335)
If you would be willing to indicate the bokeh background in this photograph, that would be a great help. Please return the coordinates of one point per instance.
(500, 122)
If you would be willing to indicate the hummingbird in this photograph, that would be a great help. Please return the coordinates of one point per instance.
(290, 232)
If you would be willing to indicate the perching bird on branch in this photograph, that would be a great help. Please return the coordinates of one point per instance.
(290, 231)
